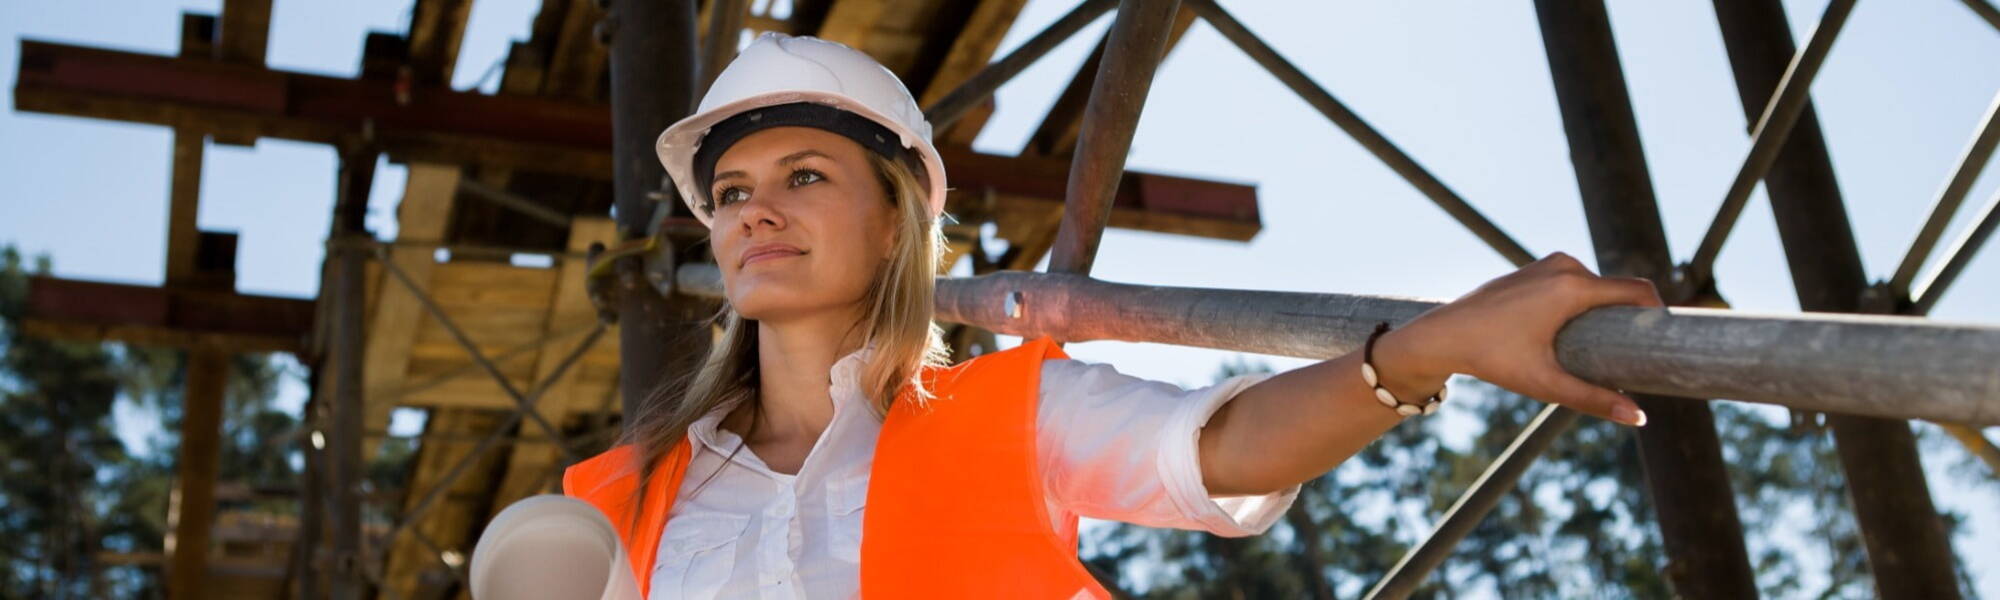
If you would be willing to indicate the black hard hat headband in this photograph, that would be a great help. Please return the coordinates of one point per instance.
(869, 134)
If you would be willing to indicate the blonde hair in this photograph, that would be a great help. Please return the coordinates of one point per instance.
(898, 313)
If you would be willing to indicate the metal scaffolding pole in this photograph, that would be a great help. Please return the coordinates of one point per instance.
(1679, 449)
(654, 70)
(1970, 164)
(1768, 134)
(1376, 143)
(1907, 548)
(981, 85)
(1137, 41)
(357, 173)
(1901, 367)
(1927, 292)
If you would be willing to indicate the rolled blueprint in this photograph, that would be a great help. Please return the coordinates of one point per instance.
(551, 546)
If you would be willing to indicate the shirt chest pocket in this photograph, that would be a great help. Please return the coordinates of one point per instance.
(697, 554)
(845, 500)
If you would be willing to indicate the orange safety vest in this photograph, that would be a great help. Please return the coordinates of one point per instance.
(955, 500)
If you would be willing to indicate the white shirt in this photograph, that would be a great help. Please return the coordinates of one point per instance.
(1112, 446)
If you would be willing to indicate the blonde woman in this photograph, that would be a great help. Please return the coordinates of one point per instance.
(824, 449)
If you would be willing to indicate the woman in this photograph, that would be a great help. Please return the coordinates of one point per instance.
(824, 448)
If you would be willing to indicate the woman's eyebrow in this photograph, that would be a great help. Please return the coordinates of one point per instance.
(802, 155)
(786, 160)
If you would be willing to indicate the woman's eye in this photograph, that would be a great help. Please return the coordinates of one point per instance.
(731, 195)
(805, 177)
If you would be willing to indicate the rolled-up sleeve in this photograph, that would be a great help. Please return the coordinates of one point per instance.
(1117, 447)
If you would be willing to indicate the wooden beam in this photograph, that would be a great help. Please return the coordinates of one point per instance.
(437, 29)
(437, 125)
(196, 466)
(89, 310)
(971, 51)
(450, 522)
(852, 21)
(530, 464)
(184, 207)
(1159, 203)
(1056, 136)
(577, 65)
(392, 327)
(246, 31)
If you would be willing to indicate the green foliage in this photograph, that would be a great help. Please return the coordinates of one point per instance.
(73, 492)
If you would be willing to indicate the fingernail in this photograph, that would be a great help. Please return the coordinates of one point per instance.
(1629, 415)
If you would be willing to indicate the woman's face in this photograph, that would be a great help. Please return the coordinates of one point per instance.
(801, 223)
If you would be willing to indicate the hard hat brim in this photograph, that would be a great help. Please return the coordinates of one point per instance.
(675, 146)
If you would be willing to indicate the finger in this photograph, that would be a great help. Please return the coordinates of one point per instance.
(1623, 290)
(1583, 396)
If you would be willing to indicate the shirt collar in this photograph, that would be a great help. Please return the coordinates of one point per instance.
(843, 385)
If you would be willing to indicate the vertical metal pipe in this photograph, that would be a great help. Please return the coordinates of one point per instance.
(1768, 134)
(357, 173)
(1364, 134)
(654, 65)
(1679, 449)
(1137, 41)
(1907, 548)
(1970, 164)
(981, 85)
(725, 26)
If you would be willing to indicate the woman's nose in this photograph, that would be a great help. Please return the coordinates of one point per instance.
(761, 210)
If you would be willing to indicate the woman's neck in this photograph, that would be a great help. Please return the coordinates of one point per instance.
(794, 360)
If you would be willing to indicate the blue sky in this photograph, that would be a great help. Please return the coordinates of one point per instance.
(1462, 86)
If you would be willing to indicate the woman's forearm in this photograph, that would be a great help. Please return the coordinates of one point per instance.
(1298, 424)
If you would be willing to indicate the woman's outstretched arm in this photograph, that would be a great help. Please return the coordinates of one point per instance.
(1301, 423)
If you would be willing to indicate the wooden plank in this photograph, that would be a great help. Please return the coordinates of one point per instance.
(183, 207)
(531, 464)
(576, 68)
(437, 29)
(852, 21)
(453, 433)
(972, 49)
(246, 31)
(393, 324)
(193, 509)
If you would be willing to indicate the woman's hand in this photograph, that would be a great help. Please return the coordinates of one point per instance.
(1503, 332)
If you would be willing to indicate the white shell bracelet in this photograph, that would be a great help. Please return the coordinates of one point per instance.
(1429, 406)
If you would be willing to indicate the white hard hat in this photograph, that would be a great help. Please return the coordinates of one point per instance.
(778, 70)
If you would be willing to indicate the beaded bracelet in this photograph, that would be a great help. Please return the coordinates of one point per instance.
(1387, 399)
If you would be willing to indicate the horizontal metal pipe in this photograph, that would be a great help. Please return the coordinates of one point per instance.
(988, 80)
(1770, 134)
(1884, 366)
(1970, 164)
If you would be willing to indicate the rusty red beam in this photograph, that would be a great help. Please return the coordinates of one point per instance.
(539, 134)
(90, 310)
(430, 123)
(1146, 201)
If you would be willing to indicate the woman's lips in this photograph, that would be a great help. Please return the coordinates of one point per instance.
(764, 255)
